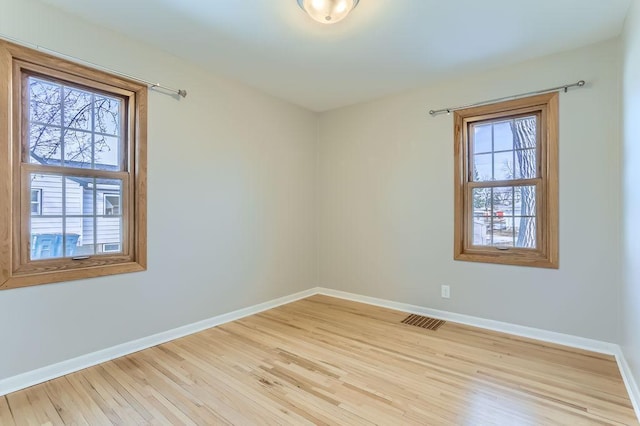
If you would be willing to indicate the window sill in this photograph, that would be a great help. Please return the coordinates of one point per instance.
(510, 257)
(18, 280)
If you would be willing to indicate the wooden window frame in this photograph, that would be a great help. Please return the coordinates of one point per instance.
(16, 267)
(546, 253)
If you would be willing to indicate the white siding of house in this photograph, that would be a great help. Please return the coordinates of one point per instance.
(51, 203)
(79, 200)
(109, 228)
(87, 223)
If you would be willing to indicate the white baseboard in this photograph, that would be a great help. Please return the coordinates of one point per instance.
(517, 330)
(53, 371)
(50, 372)
(629, 381)
(504, 327)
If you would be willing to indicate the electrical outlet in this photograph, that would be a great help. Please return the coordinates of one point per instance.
(445, 291)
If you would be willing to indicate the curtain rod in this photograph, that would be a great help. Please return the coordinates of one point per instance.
(151, 85)
(565, 88)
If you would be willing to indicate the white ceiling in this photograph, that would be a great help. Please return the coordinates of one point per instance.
(384, 46)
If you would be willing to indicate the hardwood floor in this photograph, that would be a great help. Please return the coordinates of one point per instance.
(328, 361)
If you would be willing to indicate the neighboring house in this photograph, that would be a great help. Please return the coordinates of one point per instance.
(91, 216)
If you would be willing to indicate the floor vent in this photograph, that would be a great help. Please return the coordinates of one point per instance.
(424, 322)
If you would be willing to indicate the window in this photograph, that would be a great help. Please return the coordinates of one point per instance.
(111, 248)
(111, 204)
(506, 182)
(36, 202)
(79, 135)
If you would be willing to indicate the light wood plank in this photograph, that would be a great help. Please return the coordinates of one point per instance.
(329, 361)
(6, 417)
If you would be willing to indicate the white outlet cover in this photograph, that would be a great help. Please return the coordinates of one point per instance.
(445, 291)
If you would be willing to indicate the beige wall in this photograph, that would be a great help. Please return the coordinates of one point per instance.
(231, 206)
(631, 193)
(386, 188)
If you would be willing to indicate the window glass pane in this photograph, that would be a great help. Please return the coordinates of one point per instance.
(107, 115)
(502, 202)
(86, 246)
(107, 154)
(45, 238)
(82, 229)
(525, 132)
(44, 144)
(503, 165)
(36, 196)
(77, 109)
(45, 232)
(525, 201)
(498, 216)
(51, 194)
(503, 237)
(110, 202)
(525, 232)
(77, 149)
(78, 195)
(506, 222)
(79, 129)
(481, 201)
(44, 102)
(109, 231)
(109, 215)
(502, 224)
(502, 136)
(72, 236)
(111, 205)
(112, 248)
(482, 168)
(481, 231)
(481, 138)
(526, 167)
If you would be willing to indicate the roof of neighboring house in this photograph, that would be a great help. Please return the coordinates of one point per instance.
(83, 181)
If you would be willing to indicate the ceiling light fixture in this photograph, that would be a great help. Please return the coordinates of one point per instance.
(328, 11)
